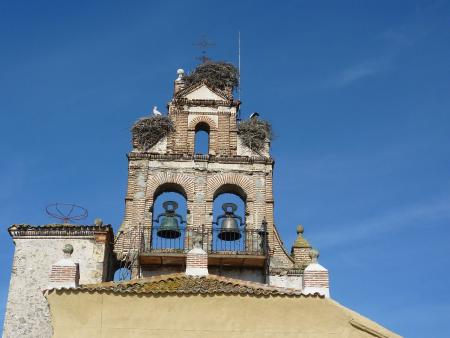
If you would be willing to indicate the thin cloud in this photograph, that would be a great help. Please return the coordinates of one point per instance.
(358, 72)
(404, 218)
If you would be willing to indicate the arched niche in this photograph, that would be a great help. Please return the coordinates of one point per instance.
(230, 193)
(229, 234)
(170, 192)
(202, 138)
(164, 234)
(235, 184)
(205, 124)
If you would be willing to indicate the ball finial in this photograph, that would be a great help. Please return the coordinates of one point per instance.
(314, 254)
(180, 73)
(68, 249)
(300, 229)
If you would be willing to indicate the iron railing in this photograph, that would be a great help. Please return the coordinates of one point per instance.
(250, 241)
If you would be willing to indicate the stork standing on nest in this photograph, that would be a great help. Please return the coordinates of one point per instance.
(254, 115)
(156, 112)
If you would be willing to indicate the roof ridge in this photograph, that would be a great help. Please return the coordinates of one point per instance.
(179, 283)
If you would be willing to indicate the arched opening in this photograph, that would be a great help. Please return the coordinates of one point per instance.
(122, 274)
(201, 145)
(170, 213)
(229, 230)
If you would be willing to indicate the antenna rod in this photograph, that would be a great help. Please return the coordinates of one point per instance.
(239, 64)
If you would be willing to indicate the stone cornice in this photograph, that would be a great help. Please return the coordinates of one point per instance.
(203, 103)
(201, 158)
(103, 232)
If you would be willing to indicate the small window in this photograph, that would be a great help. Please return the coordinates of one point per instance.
(201, 138)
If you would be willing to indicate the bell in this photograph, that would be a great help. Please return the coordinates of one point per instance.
(169, 224)
(169, 227)
(229, 230)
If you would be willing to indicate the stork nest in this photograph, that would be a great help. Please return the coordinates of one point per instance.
(148, 131)
(254, 133)
(218, 75)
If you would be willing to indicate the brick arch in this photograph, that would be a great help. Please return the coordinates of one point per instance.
(212, 133)
(177, 179)
(217, 181)
(205, 119)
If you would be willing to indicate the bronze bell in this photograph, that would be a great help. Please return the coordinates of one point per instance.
(169, 227)
(229, 229)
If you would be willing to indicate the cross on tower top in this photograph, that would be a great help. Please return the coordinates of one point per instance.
(204, 44)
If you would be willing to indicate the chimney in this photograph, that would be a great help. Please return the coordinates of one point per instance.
(65, 273)
(179, 82)
(197, 262)
(315, 277)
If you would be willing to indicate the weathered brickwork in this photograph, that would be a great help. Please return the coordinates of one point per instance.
(229, 167)
(316, 279)
(63, 273)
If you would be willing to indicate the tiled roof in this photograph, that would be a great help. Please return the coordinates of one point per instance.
(56, 229)
(181, 284)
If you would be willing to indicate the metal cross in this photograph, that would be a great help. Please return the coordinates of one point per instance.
(204, 44)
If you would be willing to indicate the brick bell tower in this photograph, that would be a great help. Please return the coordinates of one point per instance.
(249, 250)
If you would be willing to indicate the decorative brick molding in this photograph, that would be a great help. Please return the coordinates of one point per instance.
(65, 273)
(197, 262)
(183, 180)
(210, 158)
(212, 148)
(205, 119)
(219, 180)
(315, 277)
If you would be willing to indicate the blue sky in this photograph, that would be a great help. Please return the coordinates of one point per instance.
(357, 92)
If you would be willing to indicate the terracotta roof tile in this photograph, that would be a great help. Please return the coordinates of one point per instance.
(182, 284)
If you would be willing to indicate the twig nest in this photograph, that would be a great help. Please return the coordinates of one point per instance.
(254, 133)
(150, 130)
(218, 75)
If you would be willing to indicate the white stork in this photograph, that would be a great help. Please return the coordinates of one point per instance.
(156, 112)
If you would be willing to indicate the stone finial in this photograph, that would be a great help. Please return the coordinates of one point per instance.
(197, 262)
(315, 277)
(301, 242)
(65, 273)
(314, 254)
(179, 82)
(98, 222)
(180, 73)
(68, 250)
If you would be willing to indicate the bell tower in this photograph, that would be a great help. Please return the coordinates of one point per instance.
(164, 159)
